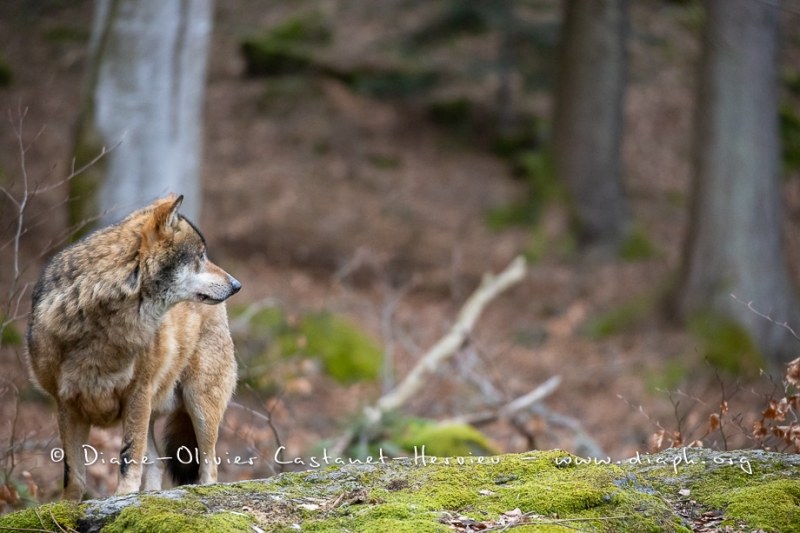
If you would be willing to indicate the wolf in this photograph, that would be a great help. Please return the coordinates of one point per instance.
(128, 325)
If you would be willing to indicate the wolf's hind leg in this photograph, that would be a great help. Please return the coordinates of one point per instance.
(74, 434)
(206, 415)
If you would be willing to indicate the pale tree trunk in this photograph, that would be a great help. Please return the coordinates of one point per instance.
(145, 91)
(588, 118)
(735, 243)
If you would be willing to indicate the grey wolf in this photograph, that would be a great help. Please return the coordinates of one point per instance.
(128, 325)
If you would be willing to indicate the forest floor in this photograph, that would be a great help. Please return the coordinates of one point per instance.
(319, 197)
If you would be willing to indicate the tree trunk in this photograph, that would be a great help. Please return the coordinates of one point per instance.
(145, 91)
(588, 119)
(735, 243)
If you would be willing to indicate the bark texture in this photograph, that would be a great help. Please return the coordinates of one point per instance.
(735, 243)
(144, 91)
(588, 120)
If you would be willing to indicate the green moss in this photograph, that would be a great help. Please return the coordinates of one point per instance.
(791, 80)
(454, 114)
(384, 161)
(751, 494)
(84, 188)
(397, 82)
(287, 48)
(6, 74)
(66, 34)
(726, 345)
(347, 354)
(772, 506)
(637, 247)
(178, 515)
(444, 439)
(58, 516)
(622, 318)
(535, 167)
(667, 377)
(790, 137)
(9, 336)
(459, 18)
(559, 492)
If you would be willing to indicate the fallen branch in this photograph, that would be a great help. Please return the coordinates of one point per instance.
(489, 289)
(444, 349)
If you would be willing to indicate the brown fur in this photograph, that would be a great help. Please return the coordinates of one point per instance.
(121, 331)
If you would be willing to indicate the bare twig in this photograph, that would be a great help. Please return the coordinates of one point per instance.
(784, 324)
(513, 407)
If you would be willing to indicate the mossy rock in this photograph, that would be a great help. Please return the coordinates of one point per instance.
(347, 354)
(449, 439)
(675, 490)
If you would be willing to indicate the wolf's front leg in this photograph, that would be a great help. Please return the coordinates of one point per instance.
(135, 421)
(154, 468)
(74, 434)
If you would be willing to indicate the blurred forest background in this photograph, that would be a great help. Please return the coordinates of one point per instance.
(360, 165)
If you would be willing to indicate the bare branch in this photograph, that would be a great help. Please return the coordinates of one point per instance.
(513, 407)
(783, 324)
(446, 347)
(450, 343)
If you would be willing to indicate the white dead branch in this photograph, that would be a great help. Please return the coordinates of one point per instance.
(447, 346)
(490, 287)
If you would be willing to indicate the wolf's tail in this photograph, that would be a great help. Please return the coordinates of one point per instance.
(180, 442)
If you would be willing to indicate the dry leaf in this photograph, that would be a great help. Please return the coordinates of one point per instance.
(793, 372)
(713, 422)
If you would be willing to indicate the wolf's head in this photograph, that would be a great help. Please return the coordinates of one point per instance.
(173, 260)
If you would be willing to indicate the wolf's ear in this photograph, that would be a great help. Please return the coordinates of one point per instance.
(164, 216)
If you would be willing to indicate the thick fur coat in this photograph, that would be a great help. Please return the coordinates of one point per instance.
(121, 330)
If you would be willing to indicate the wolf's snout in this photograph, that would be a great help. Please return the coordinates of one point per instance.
(235, 285)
